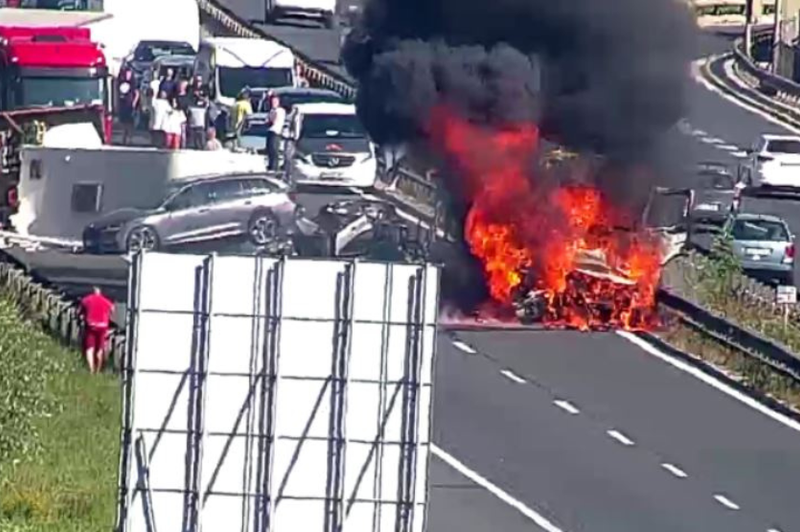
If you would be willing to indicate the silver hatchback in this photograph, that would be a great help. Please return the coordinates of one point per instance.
(199, 210)
(764, 245)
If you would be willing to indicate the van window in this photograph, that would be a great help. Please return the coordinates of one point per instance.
(332, 125)
(233, 80)
(784, 146)
(760, 230)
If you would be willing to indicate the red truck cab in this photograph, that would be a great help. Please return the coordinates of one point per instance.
(56, 67)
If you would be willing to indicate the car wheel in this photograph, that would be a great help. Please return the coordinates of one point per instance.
(142, 238)
(263, 228)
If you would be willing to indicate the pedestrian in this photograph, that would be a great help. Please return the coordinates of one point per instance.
(275, 120)
(182, 102)
(175, 122)
(212, 144)
(96, 310)
(168, 84)
(198, 123)
(198, 88)
(300, 77)
(159, 113)
(127, 101)
(241, 110)
(292, 135)
(262, 106)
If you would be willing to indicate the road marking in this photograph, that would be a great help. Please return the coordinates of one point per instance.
(727, 147)
(726, 502)
(620, 437)
(510, 375)
(699, 78)
(698, 133)
(540, 520)
(464, 347)
(566, 405)
(712, 140)
(740, 154)
(711, 381)
(675, 470)
(773, 530)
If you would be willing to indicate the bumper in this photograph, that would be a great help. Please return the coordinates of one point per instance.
(359, 175)
(101, 241)
(785, 178)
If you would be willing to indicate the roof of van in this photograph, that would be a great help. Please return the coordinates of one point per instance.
(326, 108)
(49, 17)
(242, 52)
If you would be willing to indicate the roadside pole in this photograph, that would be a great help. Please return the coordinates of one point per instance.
(748, 29)
(776, 37)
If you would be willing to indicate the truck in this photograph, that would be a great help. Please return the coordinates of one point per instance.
(54, 67)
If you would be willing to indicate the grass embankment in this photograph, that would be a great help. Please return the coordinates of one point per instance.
(59, 434)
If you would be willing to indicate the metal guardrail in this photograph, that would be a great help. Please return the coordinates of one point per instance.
(57, 314)
(778, 87)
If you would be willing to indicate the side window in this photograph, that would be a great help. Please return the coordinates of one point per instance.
(189, 198)
(255, 187)
(228, 190)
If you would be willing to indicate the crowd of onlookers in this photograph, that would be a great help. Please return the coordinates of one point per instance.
(176, 111)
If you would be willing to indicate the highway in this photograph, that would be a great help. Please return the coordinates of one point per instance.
(591, 432)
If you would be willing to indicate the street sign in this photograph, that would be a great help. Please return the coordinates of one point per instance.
(786, 295)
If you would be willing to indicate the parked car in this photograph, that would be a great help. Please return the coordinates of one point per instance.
(715, 193)
(333, 148)
(196, 210)
(290, 96)
(148, 51)
(773, 161)
(765, 246)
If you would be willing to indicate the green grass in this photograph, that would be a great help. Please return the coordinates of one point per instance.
(58, 467)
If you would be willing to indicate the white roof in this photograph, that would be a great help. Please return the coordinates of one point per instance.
(769, 136)
(326, 108)
(37, 18)
(240, 52)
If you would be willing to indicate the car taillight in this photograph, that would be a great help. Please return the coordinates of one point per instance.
(790, 251)
(12, 197)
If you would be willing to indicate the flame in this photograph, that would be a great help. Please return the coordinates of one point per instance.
(590, 274)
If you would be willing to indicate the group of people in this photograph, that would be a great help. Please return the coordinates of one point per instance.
(178, 112)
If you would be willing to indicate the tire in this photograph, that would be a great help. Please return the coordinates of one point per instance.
(262, 228)
(142, 238)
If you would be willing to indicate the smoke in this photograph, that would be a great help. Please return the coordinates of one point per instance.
(599, 75)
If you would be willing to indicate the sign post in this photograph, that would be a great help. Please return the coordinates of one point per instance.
(786, 295)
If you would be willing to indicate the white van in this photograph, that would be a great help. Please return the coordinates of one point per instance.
(323, 10)
(229, 64)
(333, 147)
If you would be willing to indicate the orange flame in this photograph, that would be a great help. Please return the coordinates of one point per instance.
(591, 275)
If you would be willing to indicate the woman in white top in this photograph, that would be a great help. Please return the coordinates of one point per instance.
(158, 118)
(174, 128)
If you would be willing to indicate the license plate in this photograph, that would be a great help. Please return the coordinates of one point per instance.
(708, 207)
(330, 175)
(757, 252)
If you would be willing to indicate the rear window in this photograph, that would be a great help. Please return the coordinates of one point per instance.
(767, 231)
(150, 51)
(784, 146)
(714, 181)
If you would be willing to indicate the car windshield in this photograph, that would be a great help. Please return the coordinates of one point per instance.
(304, 97)
(784, 146)
(58, 91)
(150, 51)
(760, 230)
(715, 181)
(332, 126)
(233, 80)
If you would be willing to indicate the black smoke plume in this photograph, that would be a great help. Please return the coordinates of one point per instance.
(603, 75)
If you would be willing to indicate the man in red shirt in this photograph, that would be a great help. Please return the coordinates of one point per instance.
(97, 310)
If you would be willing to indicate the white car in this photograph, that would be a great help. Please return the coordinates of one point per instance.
(774, 161)
(333, 148)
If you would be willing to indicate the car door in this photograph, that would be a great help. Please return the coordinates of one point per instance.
(184, 210)
(227, 200)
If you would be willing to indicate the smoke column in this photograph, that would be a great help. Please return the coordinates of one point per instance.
(605, 76)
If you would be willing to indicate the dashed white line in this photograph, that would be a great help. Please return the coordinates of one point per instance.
(510, 375)
(727, 147)
(740, 154)
(773, 530)
(712, 140)
(675, 470)
(540, 520)
(726, 502)
(698, 133)
(620, 437)
(566, 406)
(464, 347)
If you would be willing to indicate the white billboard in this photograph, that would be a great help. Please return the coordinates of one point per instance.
(269, 394)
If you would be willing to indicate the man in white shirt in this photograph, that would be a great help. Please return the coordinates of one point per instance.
(276, 120)
(159, 115)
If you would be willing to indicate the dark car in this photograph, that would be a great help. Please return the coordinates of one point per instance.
(291, 96)
(715, 193)
(199, 210)
(148, 51)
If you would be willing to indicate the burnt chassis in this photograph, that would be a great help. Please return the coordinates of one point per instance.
(595, 288)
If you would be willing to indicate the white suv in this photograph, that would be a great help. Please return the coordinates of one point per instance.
(333, 148)
(774, 161)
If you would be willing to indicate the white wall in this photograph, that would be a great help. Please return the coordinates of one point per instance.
(131, 177)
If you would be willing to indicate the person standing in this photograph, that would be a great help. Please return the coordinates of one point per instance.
(276, 120)
(127, 102)
(212, 144)
(182, 102)
(175, 122)
(159, 113)
(241, 110)
(168, 84)
(290, 141)
(96, 310)
(198, 123)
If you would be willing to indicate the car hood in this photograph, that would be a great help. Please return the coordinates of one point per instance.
(333, 145)
(119, 216)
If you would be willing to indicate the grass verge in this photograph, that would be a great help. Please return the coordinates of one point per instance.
(60, 426)
(748, 370)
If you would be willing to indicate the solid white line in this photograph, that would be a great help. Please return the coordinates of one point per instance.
(510, 375)
(737, 102)
(711, 381)
(566, 405)
(464, 347)
(540, 520)
(726, 502)
(675, 470)
(620, 437)
(727, 147)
